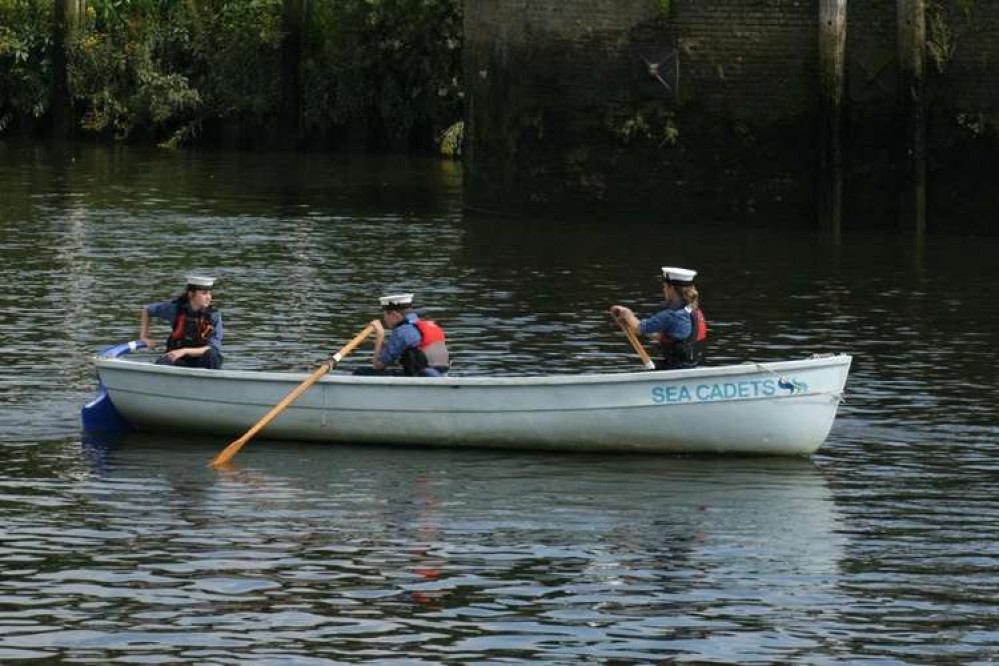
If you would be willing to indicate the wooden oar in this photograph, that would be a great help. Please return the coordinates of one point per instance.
(233, 448)
(633, 339)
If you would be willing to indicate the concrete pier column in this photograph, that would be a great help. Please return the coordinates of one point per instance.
(832, 53)
(911, 21)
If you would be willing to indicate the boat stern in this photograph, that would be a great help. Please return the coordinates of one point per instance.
(100, 415)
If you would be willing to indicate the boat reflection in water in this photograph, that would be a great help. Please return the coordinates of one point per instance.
(590, 548)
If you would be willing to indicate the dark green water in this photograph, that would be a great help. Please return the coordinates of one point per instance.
(880, 549)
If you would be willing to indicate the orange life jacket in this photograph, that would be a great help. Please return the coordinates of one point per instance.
(430, 353)
(430, 332)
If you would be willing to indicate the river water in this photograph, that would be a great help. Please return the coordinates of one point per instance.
(881, 549)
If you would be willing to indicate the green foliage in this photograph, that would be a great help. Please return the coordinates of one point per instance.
(942, 35)
(655, 127)
(663, 9)
(939, 37)
(164, 69)
(451, 140)
(25, 64)
(966, 7)
(974, 124)
(120, 72)
(392, 63)
(161, 68)
(235, 52)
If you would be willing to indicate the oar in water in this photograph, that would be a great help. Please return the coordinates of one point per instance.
(233, 448)
(636, 343)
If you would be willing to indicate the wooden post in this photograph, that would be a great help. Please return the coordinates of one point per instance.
(911, 23)
(65, 19)
(293, 23)
(832, 54)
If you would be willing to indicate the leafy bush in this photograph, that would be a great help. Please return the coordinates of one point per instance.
(235, 57)
(394, 64)
(164, 69)
(25, 63)
(452, 139)
(122, 86)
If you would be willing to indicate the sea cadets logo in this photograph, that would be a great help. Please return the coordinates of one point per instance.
(792, 385)
(745, 389)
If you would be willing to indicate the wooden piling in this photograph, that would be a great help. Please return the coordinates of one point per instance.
(66, 17)
(911, 41)
(832, 55)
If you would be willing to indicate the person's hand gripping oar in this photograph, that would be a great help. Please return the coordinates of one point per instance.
(620, 315)
(233, 448)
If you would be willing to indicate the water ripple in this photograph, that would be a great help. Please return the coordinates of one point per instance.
(881, 549)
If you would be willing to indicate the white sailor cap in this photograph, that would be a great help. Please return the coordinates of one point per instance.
(200, 281)
(396, 301)
(679, 275)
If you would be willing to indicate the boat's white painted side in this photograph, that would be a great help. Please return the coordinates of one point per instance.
(762, 408)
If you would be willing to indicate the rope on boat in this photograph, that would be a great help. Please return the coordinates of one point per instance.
(837, 396)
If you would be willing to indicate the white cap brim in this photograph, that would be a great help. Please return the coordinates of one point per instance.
(396, 300)
(676, 274)
(201, 281)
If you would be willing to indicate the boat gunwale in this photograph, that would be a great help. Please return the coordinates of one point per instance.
(654, 376)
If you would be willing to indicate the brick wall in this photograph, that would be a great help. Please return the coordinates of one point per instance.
(551, 86)
(748, 58)
(971, 72)
(871, 52)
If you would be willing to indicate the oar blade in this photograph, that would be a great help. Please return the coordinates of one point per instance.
(229, 452)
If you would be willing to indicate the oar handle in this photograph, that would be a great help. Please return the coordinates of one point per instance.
(637, 345)
(233, 448)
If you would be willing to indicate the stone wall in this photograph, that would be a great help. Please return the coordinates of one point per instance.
(586, 101)
(748, 58)
(969, 73)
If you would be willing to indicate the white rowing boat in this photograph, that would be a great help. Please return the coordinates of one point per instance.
(782, 408)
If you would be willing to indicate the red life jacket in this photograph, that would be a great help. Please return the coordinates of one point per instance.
(190, 328)
(689, 352)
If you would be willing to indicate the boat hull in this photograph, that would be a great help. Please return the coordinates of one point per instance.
(784, 408)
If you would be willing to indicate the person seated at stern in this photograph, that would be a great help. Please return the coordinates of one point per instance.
(195, 339)
(681, 326)
(417, 344)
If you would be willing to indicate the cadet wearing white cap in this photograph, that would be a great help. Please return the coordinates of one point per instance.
(195, 338)
(417, 344)
(681, 326)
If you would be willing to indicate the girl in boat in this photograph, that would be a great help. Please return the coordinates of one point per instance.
(195, 339)
(681, 327)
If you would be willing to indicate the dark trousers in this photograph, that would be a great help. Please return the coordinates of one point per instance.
(399, 372)
(210, 360)
(368, 371)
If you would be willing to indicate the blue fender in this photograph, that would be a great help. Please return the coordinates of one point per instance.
(100, 415)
